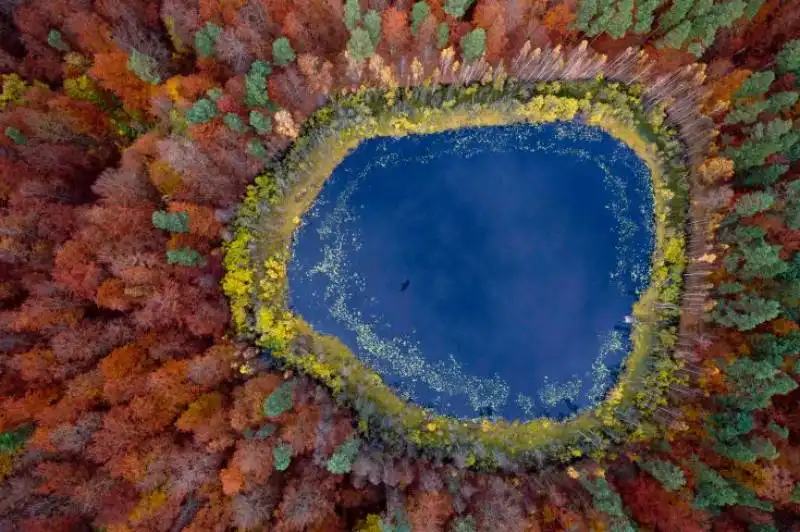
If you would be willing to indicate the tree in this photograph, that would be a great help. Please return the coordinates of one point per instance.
(644, 15)
(282, 456)
(185, 257)
(372, 23)
(676, 36)
(754, 202)
(280, 400)
(587, 10)
(473, 44)
(757, 84)
(144, 66)
(457, 8)
(668, 474)
(55, 40)
(16, 135)
(604, 498)
(282, 51)
(174, 222)
(745, 313)
(675, 15)
(712, 492)
(234, 122)
(619, 25)
(395, 29)
(342, 459)
(442, 35)
(729, 425)
(788, 59)
(205, 39)
(256, 84)
(755, 382)
(419, 12)
(429, 510)
(763, 176)
(201, 111)
(260, 122)
(352, 14)
(463, 524)
(360, 46)
(651, 506)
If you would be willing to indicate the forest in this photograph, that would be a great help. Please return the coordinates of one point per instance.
(150, 378)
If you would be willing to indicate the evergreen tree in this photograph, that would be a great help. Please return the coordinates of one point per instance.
(762, 176)
(360, 46)
(16, 135)
(205, 40)
(473, 44)
(757, 84)
(746, 113)
(372, 23)
(619, 25)
(442, 35)
(256, 84)
(587, 10)
(144, 66)
(604, 498)
(214, 94)
(256, 148)
(780, 101)
(644, 15)
(712, 492)
(761, 260)
(234, 122)
(729, 425)
(55, 40)
(676, 36)
(457, 8)
(675, 15)
(280, 400)
(185, 257)
(341, 461)
(754, 202)
(282, 51)
(788, 59)
(419, 13)
(668, 474)
(174, 222)
(755, 382)
(791, 210)
(201, 111)
(282, 456)
(260, 122)
(352, 14)
(606, 14)
(746, 312)
(752, 8)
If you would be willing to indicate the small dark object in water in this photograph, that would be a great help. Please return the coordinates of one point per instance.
(405, 285)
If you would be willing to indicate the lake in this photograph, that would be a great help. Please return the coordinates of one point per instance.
(484, 271)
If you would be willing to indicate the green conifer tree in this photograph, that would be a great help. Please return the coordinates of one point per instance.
(282, 51)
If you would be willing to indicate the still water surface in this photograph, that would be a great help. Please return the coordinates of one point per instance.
(484, 271)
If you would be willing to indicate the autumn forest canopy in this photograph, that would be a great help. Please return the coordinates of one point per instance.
(160, 161)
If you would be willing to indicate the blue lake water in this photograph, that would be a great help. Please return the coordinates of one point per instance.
(484, 271)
